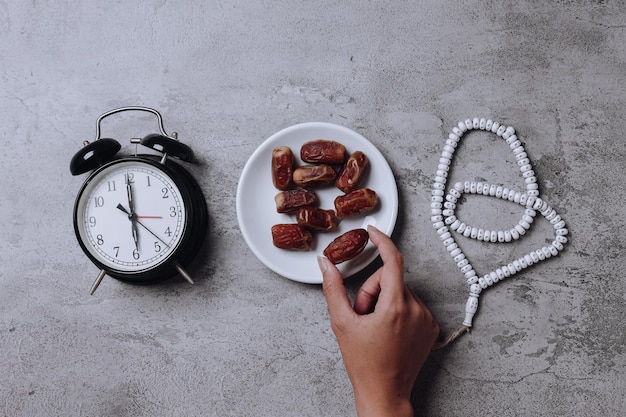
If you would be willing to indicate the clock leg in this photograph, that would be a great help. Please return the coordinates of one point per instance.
(183, 273)
(97, 281)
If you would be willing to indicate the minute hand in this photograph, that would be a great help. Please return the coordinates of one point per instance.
(131, 215)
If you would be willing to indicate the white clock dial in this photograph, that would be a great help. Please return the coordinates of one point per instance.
(131, 216)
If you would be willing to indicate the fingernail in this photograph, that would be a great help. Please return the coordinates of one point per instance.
(371, 227)
(323, 263)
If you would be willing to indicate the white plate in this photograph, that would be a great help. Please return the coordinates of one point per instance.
(256, 209)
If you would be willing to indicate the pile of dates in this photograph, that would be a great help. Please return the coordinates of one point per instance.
(326, 163)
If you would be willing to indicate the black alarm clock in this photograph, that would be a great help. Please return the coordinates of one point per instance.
(139, 218)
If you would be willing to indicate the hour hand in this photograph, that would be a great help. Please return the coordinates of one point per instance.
(133, 221)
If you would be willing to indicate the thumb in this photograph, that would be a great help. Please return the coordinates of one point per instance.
(334, 290)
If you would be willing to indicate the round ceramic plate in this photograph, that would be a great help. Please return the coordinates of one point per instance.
(256, 209)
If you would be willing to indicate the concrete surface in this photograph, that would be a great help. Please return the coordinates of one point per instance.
(228, 74)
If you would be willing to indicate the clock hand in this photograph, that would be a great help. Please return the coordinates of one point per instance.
(133, 218)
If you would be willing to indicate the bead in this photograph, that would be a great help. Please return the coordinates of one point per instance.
(514, 234)
(445, 236)
(517, 265)
(500, 236)
(435, 212)
(462, 263)
(562, 231)
(451, 198)
(435, 205)
(445, 161)
(457, 131)
(454, 137)
(468, 124)
(521, 155)
(517, 196)
(534, 257)
(436, 198)
(527, 218)
(551, 215)
(501, 130)
(511, 268)
(505, 193)
(528, 174)
(441, 173)
(462, 126)
(534, 193)
(553, 250)
(454, 249)
(467, 268)
(472, 187)
(532, 186)
(438, 225)
(522, 223)
(480, 234)
(449, 205)
(438, 218)
(510, 130)
(447, 155)
(505, 271)
(511, 195)
(449, 220)
(452, 143)
(467, 231)
(529, 260)
(487, 236)
(507, 236)
(486, 189)
(482, 124)
(448, 212)
(523, 198)
(488, 279)
(488, 124)
(561, 239)
(438, 186)
(479, 188)
(466, 186)
(455, 193)
(448, 148)
(472, 280)
(494, 127)
(524, 161)
(521, 230)
(511, 139)
(455, 225)
(470, 309)
(458, 257)
(475, 123)
(515, 144)
(530, 201)
(475, 289)
(559, 225)
(493, 236)
(540, 254)
(522, 263)
(461, 228)
(443, 167)
(494, 277)
(474, 233)
(518, 150)
(556, 219)
(492, 190)
(526, 167)
(558, 245)
(546, 252)
(470, 273)
(530, 180)
(448, 241)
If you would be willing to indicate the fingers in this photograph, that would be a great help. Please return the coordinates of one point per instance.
(393, 278)
(334, 290)
(367, 295)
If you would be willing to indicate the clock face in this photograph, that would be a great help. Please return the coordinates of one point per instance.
(130, 216)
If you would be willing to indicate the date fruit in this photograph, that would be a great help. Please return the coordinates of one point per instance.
(347, 246)
(315, 218)
(356, 202)
(351, 172)
(290, 201)
(314, 175)
(282, 167)
(292, 237)
(322, 151)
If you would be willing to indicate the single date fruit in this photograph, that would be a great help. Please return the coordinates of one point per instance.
(356, 202)
(291, 200)
(347, 246)
(282, 167)
(322, 151)
(315, 218)
(351, 172)
(292, 237)
(314, 175)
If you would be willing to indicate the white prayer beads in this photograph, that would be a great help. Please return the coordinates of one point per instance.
(445, 221)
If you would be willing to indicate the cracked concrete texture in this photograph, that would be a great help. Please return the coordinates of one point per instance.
(228, 74)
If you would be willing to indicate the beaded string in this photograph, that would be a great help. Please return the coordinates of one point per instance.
(445, 221)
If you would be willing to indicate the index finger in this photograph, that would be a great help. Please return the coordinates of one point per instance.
(393, 276)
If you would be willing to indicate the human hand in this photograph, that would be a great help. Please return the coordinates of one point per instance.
(385, 337)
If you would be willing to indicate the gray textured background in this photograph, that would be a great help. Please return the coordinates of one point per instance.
(228, 74)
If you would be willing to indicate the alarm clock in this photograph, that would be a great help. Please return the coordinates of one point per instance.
(139, 218)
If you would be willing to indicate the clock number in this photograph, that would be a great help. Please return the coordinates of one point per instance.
(111, 185)
(135, 254)
(99, 201)
(117, 250)
(165, 193)
(148, 178)
(92, 221)
(157, 247)
(172, 211)
(168, 232)
(130, 177)
(100, 240)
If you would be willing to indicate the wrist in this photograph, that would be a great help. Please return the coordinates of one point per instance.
(371, 406)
